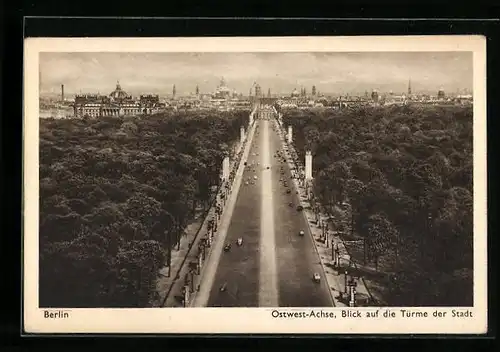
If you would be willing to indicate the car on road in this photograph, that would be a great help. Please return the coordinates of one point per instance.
(255, 177)
(300, 208)
(239, 241)
(246, 183)
(227, 247)
(223, 287)
(301, 233)
(316, 277)
(288, 191)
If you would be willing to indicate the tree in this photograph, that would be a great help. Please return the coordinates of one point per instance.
(380, 234)
(403, 162)
(454, 225)
(355, 189)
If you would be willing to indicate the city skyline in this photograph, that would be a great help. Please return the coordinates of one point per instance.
(334, 73)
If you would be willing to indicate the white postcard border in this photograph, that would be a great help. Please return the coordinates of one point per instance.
(248, 320)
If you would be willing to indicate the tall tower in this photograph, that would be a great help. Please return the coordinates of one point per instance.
(62, 92)
(197, 90)
(269, 93)
(173, 92)
(313, 91)
(409, 87)
(258, 91)
(441, 94)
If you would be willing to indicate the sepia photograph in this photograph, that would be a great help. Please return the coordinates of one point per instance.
(335, 175)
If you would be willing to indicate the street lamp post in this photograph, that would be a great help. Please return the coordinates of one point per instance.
(352, 293)
(185, 293)
(326, 236)
(203, 252)
(334, 258)
(191, 280)
(345, 281)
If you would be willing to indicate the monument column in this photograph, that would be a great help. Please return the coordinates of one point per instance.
(308, 164)
(225, 168)
(242, 134)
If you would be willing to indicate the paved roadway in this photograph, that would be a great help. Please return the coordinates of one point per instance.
(274, 266)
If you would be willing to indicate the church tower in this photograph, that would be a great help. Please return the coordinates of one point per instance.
(409, 87)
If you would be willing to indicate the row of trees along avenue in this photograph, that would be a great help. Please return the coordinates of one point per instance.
(405, 175)
(115, 196)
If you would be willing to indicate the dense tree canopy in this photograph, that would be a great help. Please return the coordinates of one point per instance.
(407, 174)
(115, 195)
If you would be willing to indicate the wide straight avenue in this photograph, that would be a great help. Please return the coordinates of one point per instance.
(274, 265)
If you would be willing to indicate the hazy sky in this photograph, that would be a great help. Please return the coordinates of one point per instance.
(281, 72)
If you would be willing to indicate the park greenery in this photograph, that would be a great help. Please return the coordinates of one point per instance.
(115, 196)
(404, 174)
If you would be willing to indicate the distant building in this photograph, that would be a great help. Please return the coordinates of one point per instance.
(396, 100)
(117, 103)
(441, 94)
(222, 91)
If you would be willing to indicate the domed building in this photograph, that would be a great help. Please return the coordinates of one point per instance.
(117, 103)
(222, 91)
(118, 94)
(295, 93)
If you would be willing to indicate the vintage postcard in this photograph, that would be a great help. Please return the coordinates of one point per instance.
(255, 185)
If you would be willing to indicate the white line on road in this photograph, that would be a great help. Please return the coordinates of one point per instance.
(268, 281)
